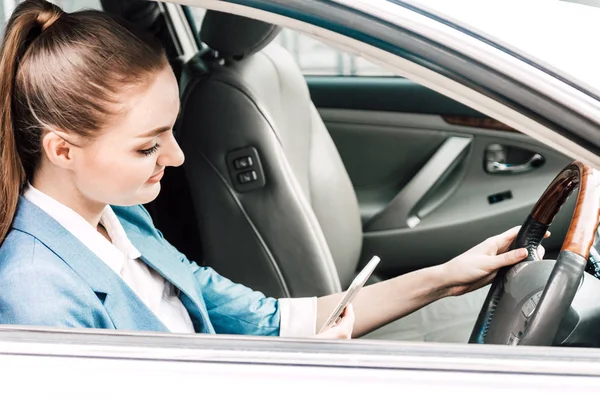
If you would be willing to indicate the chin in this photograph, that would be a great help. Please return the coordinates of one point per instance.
(150, 194)
(144, 196)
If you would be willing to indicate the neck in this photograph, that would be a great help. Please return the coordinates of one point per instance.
(61, 189)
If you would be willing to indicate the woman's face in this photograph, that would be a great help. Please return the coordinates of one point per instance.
(123, 165)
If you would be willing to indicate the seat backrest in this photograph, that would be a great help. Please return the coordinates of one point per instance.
(294, 229)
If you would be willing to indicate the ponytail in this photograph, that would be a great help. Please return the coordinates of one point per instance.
(64, 71)
(28, 21)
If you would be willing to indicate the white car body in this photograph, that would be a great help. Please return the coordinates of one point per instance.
(74, 364)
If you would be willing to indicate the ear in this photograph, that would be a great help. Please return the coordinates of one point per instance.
(57, 149)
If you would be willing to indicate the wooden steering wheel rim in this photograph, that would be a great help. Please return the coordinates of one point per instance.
(568, 269)
(584, 222)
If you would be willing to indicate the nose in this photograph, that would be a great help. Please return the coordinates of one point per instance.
(171, 155)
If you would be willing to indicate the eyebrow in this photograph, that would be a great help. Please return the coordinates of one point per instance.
(154, 132)
(158, 131)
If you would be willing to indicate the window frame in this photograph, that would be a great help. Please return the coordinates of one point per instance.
(339, 53)
(516, 116)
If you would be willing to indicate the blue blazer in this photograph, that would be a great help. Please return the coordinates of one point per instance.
(49, 278)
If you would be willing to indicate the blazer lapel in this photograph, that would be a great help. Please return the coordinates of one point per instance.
(162, 260)
(124, 307)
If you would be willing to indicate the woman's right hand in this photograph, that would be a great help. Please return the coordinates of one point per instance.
(343, 329)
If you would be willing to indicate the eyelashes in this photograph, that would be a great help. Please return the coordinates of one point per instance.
(150, 151)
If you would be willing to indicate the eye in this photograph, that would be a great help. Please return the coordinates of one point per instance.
(151, 150)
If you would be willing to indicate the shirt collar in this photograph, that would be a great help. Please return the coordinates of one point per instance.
(112, 254)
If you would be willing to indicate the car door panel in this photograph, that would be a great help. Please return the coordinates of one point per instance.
(421, 182)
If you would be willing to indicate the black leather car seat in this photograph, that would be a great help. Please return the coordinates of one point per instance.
(294, 229)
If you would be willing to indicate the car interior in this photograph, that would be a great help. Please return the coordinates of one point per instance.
(296, 184)
(293, 182)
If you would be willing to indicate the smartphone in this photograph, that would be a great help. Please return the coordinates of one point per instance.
(351, 293)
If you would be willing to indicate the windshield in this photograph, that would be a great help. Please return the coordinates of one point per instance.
(561, 35)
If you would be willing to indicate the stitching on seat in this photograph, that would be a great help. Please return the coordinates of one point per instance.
(247, 92)
(241, 208)
(279, 85)
(295, 186)
(332, 272)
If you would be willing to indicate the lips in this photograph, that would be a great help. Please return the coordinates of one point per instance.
(156, 177)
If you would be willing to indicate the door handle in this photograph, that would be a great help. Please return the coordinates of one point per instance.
(496, 167)
(496, 163)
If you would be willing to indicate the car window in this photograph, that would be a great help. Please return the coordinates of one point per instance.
(315, 57)
(558, 34)
(68, 5)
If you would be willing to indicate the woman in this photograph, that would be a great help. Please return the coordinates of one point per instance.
(88, 106)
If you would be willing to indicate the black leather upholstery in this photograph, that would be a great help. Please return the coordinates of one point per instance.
(300, 234)
(223, 33)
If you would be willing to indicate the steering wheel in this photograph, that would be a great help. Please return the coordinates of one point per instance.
(533, 317)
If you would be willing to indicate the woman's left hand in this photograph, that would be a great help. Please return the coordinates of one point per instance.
(343, 329)
(478, 266)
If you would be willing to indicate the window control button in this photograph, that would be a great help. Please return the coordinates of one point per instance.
(247, 177)
(244, 162)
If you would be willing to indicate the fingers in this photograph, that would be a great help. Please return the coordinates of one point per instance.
(509, 258)
(481, 283)
(511, 233)
(489, 279)
(505, 239)
(541, 251)
(347, 321)
(343, 329)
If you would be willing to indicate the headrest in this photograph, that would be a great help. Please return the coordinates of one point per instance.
(233, 36)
